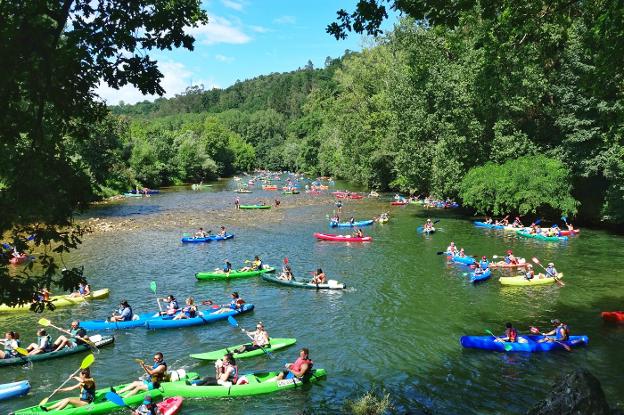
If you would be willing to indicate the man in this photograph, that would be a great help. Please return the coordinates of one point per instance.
(299, 369)
(551, 271)
(561, 332)
(76, 336)
(156, 375)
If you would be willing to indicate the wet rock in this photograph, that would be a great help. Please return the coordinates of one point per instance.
(577, 393)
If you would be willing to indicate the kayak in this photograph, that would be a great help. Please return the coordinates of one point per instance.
(153, 191)
(257, 385)
(170, 406)
(349, 224)
(62, 300)
(133, 194)
(487, 225)
(305, 283)
(476, 278)
(348, 196)
(13, 390)
(530, 343)
(613, 316)
(209, 316)
(540, 237)
(254, 207)
(569, 233)
(209, 238)
(264, 187)
(215, 275)
(503, 264)
(20, 259)
(429, 231)
(466, 260)
(274, 345)
(519, 280)
(243, 191)
(138, 321)
(291, 192)
(341, 238)
(100, 341)
(398, 203)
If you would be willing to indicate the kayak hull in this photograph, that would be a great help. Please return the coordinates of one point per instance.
(503, 264)
(14, 390)
(350, 225)
(209, 316)
(466, 260)
(170, 406)
(274, 345)
(254, 207)
(66, 351)
(530, 346)
(233, 274)
(341, 238)
(613, 316)
(305, 283)
(207, 238)
(257, 385)
(477, 278)
(542, 237)
(62, 300)
(521, 281)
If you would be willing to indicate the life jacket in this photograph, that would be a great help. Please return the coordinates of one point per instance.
(173, 305)
(551, 272)
(233, 377)
(82, 289)
(129, 316)
(484, 264)
(562, 333)
(156, 378)
(87, 393)
(190, 311)
(48, 342)
(507, 259)
(261, 339)
(512, 334)
(529, 275)
(296, 367)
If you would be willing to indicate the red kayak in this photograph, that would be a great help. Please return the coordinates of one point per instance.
(398, 203)
(613, 316)
(348, 196)
(341, 238)
(170, 406)
(569, 233)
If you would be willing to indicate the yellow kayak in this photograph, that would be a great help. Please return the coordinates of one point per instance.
(61, 300)
(540, 279)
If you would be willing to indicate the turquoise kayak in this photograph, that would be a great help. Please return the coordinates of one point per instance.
(541, 237)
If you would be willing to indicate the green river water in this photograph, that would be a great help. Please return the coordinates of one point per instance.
(395, 329)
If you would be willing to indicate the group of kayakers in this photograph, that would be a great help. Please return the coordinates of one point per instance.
(559, 333)
(201, 233)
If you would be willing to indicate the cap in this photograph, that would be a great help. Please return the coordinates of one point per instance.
(555, 321)
(147, 400)
(550, 264)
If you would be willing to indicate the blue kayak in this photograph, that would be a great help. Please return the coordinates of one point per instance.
(210, 238)
(487, 225)
(149, 192)
(349, 224)
(139, 321)
(208, 317)
(476, 278)
(13, 390)
(466, 260)
(526, 343)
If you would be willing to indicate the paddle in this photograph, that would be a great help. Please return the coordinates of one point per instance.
(86, 362)
(506, 345)
(21, 351)
(234, 323)
(153, 288)
(47, 323)
(116, 399)
(558, 281)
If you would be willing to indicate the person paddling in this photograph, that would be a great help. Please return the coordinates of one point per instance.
(76, 336)
(511, 334)
(319, 277)
(529, 274)
(300, 369)
(452, 249)
(11, 343)
(260, 339)
(156, 375)
(551, 271)
(561, 332)
(86, 384)
(124, 313)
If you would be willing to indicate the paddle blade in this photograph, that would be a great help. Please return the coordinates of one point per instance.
(535, 260)
(153, 286)
(232, 321)
(44, 322)
(115, 398)
(508, 347)
(21, 351)
(87, 361)
(537, 222)
(44, 401)
(489, 332)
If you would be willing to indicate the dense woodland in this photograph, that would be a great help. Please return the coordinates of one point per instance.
(507, 106)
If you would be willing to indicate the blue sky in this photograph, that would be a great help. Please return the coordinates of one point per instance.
(246, 38)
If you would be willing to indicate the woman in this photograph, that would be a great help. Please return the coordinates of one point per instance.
(260, 339)
(319, 277)
(172, 305)
(286, 274)
(226, 372)
(86, 384)
(43, 345)
(235, 304)
(83, 290)
(11, 342)
(529, 274)
(188, 311)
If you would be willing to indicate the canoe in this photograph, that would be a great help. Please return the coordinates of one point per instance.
(341, 238)
(349, 224)
(17, 260)
(503, 264)
(531, 345)
(613, 316)
(154, 191)
(208, 317)
(476, 278)
(488, 225)
(234, 274)
(274, 345)
(540, 237)
(13, 390)
(62, 300)
(209, 238)
(398, 203)
(254, 207)
(466, 260)
(170, 406)
(257, 385)
(133, 194)
(521, 281)
(100, 341)
(305, 283)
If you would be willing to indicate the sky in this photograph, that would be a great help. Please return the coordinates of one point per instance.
(247, 38)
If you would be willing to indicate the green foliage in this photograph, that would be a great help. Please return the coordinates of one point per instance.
(532, 184)
(370, 404)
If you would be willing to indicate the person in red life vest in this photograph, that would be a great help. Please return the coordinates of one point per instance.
(299, 369)
(511, 334)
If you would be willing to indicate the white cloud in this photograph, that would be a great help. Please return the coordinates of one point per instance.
(286, 20)
(259, 29)
(219, 30)
(176, 78)
(223, 58)
(235, 5)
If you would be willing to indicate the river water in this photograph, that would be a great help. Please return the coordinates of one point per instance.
(396, 329)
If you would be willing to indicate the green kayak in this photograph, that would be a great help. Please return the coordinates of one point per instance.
(100, 341)
(216, 275)
(254, 207)
(275, 344)
(540, 237)
(257, 385)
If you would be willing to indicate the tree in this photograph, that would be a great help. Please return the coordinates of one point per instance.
(54, 55)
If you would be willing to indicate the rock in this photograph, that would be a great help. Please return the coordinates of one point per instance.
(577, 393)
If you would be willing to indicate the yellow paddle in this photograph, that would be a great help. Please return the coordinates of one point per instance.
(47, 323)
(86, 362)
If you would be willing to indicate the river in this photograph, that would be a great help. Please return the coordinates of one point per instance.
(395, 329)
